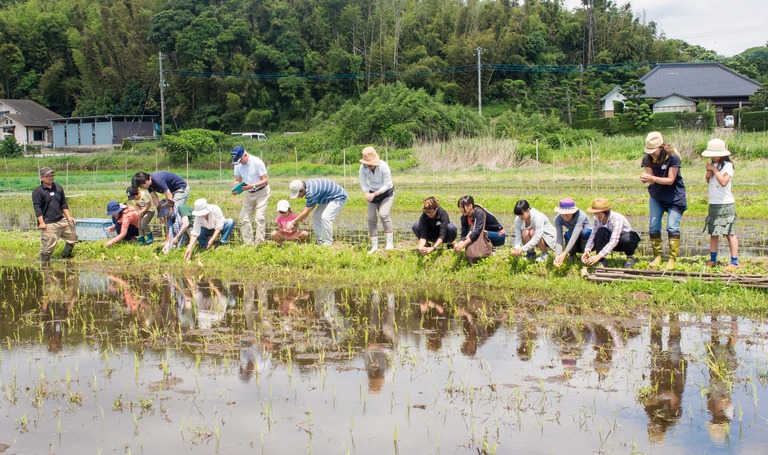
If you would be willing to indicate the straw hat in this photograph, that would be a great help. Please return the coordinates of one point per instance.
(653, 141)
(370, 157)
(567, 207)
(599, 204)
(715, 147)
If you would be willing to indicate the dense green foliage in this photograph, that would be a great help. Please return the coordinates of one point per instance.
(285, 66)
(9, 147)
(754, 121)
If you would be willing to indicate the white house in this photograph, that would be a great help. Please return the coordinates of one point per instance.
(674, 103)
(607, 100)
(29, 122)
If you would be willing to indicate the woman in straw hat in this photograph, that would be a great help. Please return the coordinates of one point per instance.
(376, 183)
(661, 171)
(572, 229)
(722, 205)
(610, 232)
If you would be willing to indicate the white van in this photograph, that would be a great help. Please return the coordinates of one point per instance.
(257, 136)
(728, 121)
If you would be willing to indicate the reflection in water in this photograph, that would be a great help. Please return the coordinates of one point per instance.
(668, 372)
(280, 355)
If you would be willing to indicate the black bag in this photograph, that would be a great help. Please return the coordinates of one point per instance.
(384, 195)
(480, 248)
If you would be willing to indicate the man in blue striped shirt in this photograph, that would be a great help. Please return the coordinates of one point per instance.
(325, 195)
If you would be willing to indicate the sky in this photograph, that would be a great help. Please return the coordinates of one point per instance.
(727, 27)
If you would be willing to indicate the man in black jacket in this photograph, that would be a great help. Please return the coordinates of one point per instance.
(53, 218)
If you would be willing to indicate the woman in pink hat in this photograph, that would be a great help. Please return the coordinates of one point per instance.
(572, 230)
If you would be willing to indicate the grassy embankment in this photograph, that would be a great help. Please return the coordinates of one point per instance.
(497, 179)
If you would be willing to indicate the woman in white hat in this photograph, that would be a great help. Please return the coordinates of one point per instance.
(376, 183)
(661, 172)
(722, 205)
(572, 230)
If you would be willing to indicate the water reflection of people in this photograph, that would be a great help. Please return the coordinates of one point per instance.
(210, 302)
(526, 340)
(60, 293)
(382, 337)
(479, 324)
(135, 303)
(668, 371)
(721, 358)
(433, 321)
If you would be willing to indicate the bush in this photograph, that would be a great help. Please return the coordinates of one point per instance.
(754, 121)
(9, 147)
(193, 143)
(598, 124)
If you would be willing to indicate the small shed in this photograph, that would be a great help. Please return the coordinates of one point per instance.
(607, 101)
(674, 103)
(100, 131)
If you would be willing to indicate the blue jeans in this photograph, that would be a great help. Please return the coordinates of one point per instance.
(206, 234)
(496, 238)
(656, 213)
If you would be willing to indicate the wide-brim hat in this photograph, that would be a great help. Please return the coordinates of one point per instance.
(114, 207)
(294, 187)
(599, 204)
(567, 206)
(716, 147)
(370, 157)
(283, 205)
(201, 208)
(653, 141)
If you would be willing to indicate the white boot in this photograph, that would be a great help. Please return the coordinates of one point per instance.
(390, 236)
(374, 245)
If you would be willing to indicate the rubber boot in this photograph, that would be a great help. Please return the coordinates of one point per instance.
(656, 247)
(141, 240)
(150, 239)
(67, 253)
(45, 258)
(390, 236)
(374, 245)
(674, 249)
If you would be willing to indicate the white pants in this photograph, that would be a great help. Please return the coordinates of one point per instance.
(254, 204)
(322, 220)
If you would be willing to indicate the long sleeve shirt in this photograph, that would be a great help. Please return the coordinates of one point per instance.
(214, 220)
(471, 227)
(617, 224)
(543, 229)
(377, 180)
(439, 222)
(576, 226)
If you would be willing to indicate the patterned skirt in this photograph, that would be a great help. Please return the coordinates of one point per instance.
(720, 219)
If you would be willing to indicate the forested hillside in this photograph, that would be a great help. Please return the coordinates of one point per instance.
(282, 64)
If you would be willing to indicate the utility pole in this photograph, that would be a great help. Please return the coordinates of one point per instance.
(479, 83)
(162, 96)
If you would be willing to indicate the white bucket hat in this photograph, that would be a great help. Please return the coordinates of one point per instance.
(201, 208)
(715, 147)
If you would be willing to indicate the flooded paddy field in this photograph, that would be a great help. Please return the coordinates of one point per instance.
(93, 362)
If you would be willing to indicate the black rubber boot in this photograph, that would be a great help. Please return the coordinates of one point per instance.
(67, 253)
(45, 258)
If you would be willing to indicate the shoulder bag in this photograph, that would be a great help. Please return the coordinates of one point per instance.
(480, 248)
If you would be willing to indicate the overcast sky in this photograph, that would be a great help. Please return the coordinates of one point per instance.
(726, 26)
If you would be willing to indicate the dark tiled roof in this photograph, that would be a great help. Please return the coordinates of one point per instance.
(697, 80)
(31, 113)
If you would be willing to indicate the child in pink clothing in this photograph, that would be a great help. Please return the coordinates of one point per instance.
(282, 234)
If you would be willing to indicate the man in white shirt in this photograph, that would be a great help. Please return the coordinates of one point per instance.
(251, 171)
(209, 223)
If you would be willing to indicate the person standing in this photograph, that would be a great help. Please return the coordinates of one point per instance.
(163, 182)
(722, 204)
(661, 171)
(324, 195)
(142, 202)
(252, 172)
(53, 218)
(376, 183)
(209, 223)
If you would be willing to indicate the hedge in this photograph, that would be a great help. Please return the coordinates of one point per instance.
(754, 121)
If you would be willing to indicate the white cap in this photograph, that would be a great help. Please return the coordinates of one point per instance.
(201, 208)
(283, 205)
(295, 186)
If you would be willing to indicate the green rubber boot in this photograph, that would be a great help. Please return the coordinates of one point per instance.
(150, 239)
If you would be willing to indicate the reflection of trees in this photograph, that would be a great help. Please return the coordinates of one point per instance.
(60, 293)
(663, 404)
(721, 359)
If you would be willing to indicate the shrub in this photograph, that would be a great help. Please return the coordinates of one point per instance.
(193, 143)
(754, 121)
(9, 147)
(598, 124)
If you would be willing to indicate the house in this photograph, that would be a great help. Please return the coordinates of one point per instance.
(29, 122)
(607, 100)
(707, 82)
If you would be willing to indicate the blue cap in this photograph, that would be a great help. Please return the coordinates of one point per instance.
(114, 207)
(237, 154)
